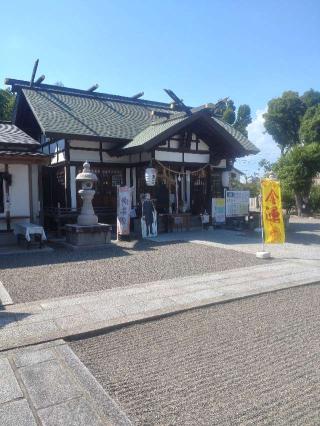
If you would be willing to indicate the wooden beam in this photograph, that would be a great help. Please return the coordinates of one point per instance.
(40, 79)
(138, 95)
(93, 88)
(35, 67)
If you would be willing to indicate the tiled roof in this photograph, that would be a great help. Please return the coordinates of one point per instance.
(11, 134)
(94, 115)
(155, 129)
(23, 154)
(90, 115)
(247, 145)
(158, 128)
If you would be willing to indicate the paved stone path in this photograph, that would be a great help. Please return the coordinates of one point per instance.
(48, 385)
(41, 321)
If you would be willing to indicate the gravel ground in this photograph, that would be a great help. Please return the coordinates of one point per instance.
(251, 362)
(63, 272)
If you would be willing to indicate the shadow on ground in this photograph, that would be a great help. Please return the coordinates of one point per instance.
(63, 255)
(7, 317)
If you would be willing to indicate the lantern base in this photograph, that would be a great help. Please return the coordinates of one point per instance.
(88, 236)
(263, 255)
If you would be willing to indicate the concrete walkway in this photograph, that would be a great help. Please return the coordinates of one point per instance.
(46, 320)
(302, 240)
(48, 385)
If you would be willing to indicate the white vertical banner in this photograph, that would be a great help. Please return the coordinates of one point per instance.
(123, 210)
(188, 189)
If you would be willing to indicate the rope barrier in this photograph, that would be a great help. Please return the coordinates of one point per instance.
(182, 173)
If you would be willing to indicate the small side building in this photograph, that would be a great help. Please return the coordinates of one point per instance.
(20, 162)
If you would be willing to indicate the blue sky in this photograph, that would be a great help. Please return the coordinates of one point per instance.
(204, 50)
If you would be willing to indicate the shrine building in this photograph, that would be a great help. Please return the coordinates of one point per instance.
(192, 149)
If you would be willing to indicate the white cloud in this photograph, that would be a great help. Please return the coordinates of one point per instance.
(267, 146)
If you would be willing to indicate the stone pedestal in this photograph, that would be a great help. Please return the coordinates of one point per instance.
(87, 216)
(82, 236)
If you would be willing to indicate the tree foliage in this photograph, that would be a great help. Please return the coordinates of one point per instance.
(311, 98)
(7, 100)
(229, 114)
(283, 118)
(238, 119)
(243, 119)
(296, 170)
(310, 125)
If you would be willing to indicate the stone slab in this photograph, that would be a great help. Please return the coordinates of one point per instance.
(9, 387)
(25, 358)
(47, 383)
(17, 413)
(57, 389)
(77, 412)
(108, 407)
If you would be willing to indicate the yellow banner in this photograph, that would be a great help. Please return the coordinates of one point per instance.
(272, 212)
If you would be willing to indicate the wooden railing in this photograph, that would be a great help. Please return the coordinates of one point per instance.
(58, 217)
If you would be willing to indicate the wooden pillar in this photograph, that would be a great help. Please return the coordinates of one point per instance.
(209, 190)
(67, 175)
(7, 199)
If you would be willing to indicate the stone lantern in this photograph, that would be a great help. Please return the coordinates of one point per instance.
(87, 232)
(87, 178)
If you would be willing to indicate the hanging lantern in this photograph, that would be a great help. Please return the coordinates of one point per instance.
(150, 176)
(225, 179)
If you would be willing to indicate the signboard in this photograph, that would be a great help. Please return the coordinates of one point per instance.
(237, 203)
(272, 212)
(218, 210)
(123, 210)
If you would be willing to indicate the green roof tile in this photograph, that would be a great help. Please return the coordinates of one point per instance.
(108, 116)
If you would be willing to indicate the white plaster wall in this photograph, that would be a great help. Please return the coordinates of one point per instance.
(35, 192)
(193, 146)
(76, 155)
(196, 158)
(168, 156)
(203, 146)
(58, 158)
(19, 190)
(174, 144)
(84, 144)
(108, 159)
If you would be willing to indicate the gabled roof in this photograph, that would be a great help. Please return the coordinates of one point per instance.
(159, 128)
(12, 135)
(166, 128)
(72, 113)
(90, 115)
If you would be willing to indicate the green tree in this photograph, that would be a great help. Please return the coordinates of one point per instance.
(283, 118)
(311, 98)
(296, 170)
(229, 115)
(266, 166)
(243, 119)
(310, 125)
(7, 100)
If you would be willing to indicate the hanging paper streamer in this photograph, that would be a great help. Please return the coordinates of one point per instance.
(272, 212)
